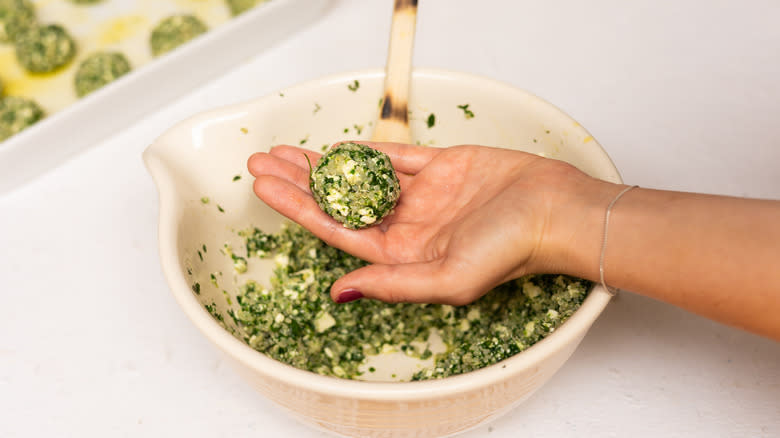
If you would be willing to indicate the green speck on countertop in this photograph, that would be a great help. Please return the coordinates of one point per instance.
(237, 177)
(204, 200)
(304, 140)
(317, 107)
(221, 210)
(196, 288)
(354, 86)
(200, 255)
(244, 130)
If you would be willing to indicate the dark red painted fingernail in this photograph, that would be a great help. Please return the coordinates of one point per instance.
(348, 295)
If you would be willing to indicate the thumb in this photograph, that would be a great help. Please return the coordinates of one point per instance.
(428, 282)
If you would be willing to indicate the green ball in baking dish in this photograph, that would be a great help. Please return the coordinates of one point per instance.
(44, 49)
(16, 17)
(99, 69)
(174, 31)
(16, 114)
(240, 6)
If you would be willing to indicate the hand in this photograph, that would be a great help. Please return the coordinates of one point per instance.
(468, 219)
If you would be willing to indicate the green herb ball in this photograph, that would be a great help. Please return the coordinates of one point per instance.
(98, 70)
(175, 31)
(45, 49)
(16, 114)
(16, 17)
(240, 6)
(355, 184)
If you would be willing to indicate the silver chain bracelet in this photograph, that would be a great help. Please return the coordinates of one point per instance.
(610, 290)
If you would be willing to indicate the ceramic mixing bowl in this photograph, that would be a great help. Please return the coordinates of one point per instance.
(205, 192)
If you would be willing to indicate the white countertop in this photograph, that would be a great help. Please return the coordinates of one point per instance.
(683, 95)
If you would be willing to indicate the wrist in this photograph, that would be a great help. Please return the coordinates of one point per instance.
(572, 240)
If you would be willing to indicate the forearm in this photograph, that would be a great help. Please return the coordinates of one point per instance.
(716, 256)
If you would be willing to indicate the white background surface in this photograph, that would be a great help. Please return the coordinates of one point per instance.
(683, 95)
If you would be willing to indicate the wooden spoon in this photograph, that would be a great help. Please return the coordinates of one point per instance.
(393, 122)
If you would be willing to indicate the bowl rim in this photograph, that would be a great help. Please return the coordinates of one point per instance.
(570, 332)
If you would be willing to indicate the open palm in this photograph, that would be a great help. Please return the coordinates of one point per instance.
(469, 218)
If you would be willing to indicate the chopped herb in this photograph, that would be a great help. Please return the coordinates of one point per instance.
(212, 309)
(227, 298)
(354, 86)
(221, 210)
(239, 263)
(534, 140)
(204, 248)
(200, 255)
(236, 178)
(381, 101)
(304, 140)
(324, 147)
(358, 129)
(317, 107)
(346, 130)
(204, 200)
(547, 131)
(371, 369)
(431, 120)
(189, 271)
(466, 111)
(281, 94)
(214, 280)
(196, 288)
(244, 130)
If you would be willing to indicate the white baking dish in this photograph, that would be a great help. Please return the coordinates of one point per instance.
(84, 122)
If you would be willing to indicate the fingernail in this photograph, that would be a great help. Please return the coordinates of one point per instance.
(348, 295)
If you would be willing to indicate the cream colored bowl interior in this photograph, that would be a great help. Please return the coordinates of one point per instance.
(201, 156)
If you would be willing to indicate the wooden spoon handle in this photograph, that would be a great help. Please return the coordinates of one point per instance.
(393, 122)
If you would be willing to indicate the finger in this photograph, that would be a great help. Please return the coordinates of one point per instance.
(406, 158)
(298, 205)
(427, 282)
(296, 155)
(264, 164)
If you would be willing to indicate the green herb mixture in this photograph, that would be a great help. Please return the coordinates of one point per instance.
(295, 321)
(355, 184)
